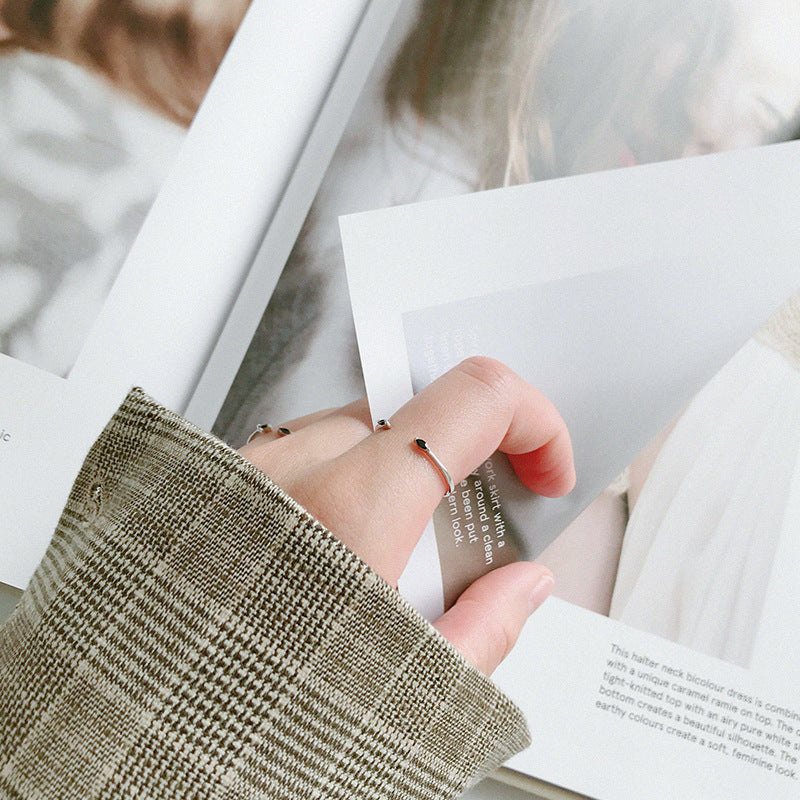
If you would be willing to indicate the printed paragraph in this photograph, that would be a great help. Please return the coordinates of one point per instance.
(678, 703)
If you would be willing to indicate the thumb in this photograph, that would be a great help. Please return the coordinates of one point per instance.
(485, 621)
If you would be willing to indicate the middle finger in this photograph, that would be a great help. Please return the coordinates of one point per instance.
(378, 496)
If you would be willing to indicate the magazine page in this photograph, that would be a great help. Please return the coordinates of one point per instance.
(498, 92)
(241, 359)
(626, 297)
(104, 286)
(668, 234)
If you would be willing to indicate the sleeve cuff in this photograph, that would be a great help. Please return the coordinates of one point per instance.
(194, 629)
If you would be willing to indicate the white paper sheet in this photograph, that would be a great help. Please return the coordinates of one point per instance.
(636, 286)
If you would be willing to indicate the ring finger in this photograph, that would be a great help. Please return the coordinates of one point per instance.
(311, 440)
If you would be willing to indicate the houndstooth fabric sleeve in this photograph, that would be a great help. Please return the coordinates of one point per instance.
(193, 633)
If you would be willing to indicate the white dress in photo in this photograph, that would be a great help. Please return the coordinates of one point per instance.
(700, 544)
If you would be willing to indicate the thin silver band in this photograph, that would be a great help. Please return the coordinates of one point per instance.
(264, 427)
(423, 446)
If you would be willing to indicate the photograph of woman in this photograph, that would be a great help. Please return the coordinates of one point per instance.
(476, 95)
(708, 505)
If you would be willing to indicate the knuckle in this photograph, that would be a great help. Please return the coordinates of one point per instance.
(357, 428)
(494, 378)
(504, 640)
(553, 480)
(358, 415)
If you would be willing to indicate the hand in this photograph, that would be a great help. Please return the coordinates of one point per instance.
(377, 491)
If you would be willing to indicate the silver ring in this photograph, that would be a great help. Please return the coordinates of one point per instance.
(423, 445)
(282, 431)
(264, 427)
(383, 425)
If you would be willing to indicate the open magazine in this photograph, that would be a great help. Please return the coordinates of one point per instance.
(497, 92)
(630, 298)
(104, 286)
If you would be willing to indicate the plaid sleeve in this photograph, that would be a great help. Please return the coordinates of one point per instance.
(194, 633)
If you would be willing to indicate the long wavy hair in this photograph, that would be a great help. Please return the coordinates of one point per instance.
(528, 85)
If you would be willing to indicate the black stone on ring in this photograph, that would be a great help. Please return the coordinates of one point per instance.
(263, 427)
(423, 446)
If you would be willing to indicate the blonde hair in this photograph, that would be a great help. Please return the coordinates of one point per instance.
(164, 51)
(499, 76)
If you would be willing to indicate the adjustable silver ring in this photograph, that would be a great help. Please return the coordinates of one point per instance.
(264, 427)
(423, 446)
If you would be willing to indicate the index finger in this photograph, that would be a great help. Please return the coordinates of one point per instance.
(379, 495)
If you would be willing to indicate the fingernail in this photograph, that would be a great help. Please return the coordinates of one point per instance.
(541, 591)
